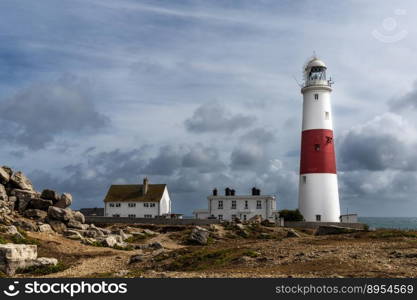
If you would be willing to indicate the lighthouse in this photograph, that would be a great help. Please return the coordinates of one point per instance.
(318, 197)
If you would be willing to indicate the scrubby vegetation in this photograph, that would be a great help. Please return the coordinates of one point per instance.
(291, 215)
(44, 270)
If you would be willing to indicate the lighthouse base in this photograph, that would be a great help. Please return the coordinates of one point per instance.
(318, 198)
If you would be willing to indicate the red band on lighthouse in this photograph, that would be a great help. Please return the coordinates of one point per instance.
(317, 152)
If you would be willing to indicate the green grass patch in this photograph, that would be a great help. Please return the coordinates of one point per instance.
(16, 239)
(206, 259)
(44, 270)
(126, 248)
(393, 233)
(2, 240)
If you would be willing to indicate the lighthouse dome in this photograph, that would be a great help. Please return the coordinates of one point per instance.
(315, 62)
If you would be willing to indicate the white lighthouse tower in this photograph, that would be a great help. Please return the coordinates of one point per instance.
(318, 189)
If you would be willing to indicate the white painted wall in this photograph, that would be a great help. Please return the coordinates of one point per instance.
(268, 206)
(314, 110)
(165, 203)
(319, 195)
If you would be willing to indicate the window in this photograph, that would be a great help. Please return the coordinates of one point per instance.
(304, 179)
(233, 217)
(148, 216)
(258, 204)
(317, 147)
(316, 96)
(132, 205)
(220, 217)
(116, 216)
(111, 204)
(318, 218)
(246, 204)
(145, 204)
(118, 204)
(152, 204)
(132, 216)
(233, 204)
(244, 217)
(220, 204)
(326, 115)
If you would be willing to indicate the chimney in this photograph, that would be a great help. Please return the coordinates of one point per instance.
(215, 192)
(227, 191)
(258, 192)
(254, 191)
(232, 192)
(145, 186)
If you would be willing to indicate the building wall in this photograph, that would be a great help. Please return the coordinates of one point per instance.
(268, 205)
(157, 221)
(139, 210)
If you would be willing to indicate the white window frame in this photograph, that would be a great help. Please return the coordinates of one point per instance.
(146, 204)
(118, 204)
(133, 216)
(148, 216)
(152, 204)
(220, 204)
(246, 204)
(258, 204)
(220, 217)
(233, 204)
(132, 205)
(111, 204)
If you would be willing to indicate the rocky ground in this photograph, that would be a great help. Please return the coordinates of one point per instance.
(40, 236)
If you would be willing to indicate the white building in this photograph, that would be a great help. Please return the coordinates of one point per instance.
(137, 200)
(230, 206)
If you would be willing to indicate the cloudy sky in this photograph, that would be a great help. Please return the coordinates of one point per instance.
(202, 94)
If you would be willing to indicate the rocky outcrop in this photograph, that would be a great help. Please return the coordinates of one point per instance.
(20, 256)
(50, 195)
(3, 193)
(38, 203)
(64, 201)
(199, 236)
(20, 181)
(35, 214)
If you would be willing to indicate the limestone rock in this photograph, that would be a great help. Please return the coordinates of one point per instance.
(57, 226)
(60, 214)
(36, 214)
(110, 241)
(150, 232)
(73, 234)
(4, 176)
(44, 261)
(78, 216)
(19, 180)
(64, 201)
(123, 235)
(292, 233)
(50, 195)
(16, 256)
(26, 225)
(199, 236)
(72, 223)
(23, 203)
(136, 258)
(3, 193)
(45, 228)
(156, 245)
(41, 204)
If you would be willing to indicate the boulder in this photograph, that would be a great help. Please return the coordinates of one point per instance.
(333, 229)
(78, 216)
(156, 245)
(292, 233)
(199, 236)
(93, 233)
(50, 195)
(57, 226)
(36, 214)
(64, 201)
(16, 256)
(45, 228)
(60, 214)
(73, 234)
(136, 258)
(110, 241)
(25, 225)
(19, 180)
(3, 193)
(150, 232)
(23, 203)
(4, 176)
(123, 235)
(8, 170)
(41, 204)
(44, 261)
(72, 223)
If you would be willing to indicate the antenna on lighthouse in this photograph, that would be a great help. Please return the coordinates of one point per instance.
(298, 83)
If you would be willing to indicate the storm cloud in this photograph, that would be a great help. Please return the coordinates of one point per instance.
(36, 115)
